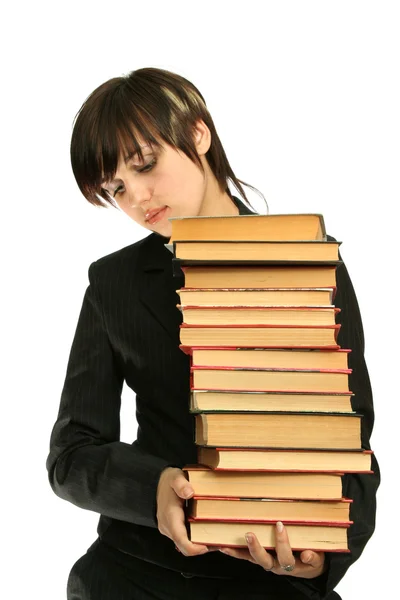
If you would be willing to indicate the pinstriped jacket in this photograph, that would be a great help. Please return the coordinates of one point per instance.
(128, 330)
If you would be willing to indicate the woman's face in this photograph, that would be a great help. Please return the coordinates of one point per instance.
(165, 184)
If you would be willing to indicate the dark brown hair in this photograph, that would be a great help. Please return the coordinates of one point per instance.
(156, 104)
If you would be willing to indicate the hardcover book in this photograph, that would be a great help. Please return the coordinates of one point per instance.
(323, 538)
(261, 459)
(279, 430)
(256, 277)
(278, 380)
(261, 336)
(268, 358)
(321, 297)
(234, 251)
(245, 401)
(300, 486)
(279, 227)
(270, 510)
(258, 315)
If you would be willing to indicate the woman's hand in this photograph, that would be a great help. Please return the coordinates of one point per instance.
(173, 489)
(309, 564)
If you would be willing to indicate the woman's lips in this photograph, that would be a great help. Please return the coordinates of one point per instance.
(155, 215)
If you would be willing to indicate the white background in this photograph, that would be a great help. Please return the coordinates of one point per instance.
(305, 97)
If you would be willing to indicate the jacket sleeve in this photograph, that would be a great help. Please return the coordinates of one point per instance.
(87, 464)
(361, 488)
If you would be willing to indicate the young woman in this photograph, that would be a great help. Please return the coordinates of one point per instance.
(146, 143)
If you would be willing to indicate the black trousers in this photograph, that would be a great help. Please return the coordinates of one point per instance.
(104, 573)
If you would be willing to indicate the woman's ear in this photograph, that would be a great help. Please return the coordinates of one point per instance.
(202, 137)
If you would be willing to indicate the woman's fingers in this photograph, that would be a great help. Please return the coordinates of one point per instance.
(179, 536)
(255, 553)
(173, 487)
(309, 565)
(286, 560)
(312, 563)
(174, 523)
(259, 554)
(313, 559)
(181, 485)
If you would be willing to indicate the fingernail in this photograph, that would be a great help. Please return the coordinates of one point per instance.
(187, 492)
(249, 538)
(279, 526)
(308, 558)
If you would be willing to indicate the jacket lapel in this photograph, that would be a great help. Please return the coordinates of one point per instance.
(157, 289)
(243, 209)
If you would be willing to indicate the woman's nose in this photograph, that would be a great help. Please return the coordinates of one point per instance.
(138, 196)
(141, 203)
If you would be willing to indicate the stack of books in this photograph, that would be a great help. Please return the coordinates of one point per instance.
(274, 423)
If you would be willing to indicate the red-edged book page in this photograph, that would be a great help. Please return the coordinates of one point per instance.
(236, 289)
(199, 467)
(343, 524)
(189, 349)
(239, 499)
(291, 393)
(273, 347)
(329, 524)
(220, 469)
(343, 551)
(274, 326)
(263, 307)
(221, 368)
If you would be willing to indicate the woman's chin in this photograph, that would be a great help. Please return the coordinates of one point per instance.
(165, 230)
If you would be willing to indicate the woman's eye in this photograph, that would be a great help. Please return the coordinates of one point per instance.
(144, 169)
(117, 190)
(147, 167)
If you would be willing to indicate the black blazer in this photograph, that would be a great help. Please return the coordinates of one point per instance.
(128, 329)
